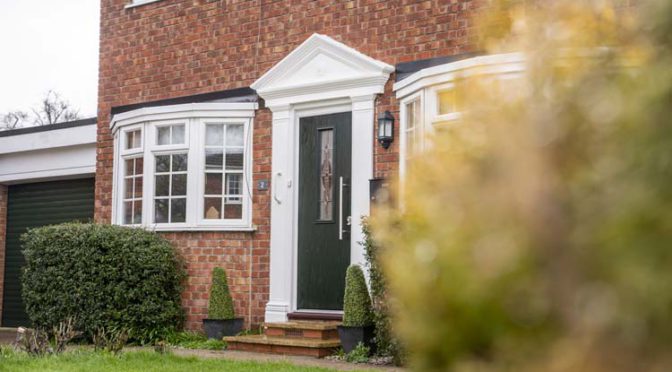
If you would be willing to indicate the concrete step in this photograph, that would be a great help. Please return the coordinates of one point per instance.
(283, 345)
(318, 330)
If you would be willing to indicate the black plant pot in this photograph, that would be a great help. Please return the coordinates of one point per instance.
(351, 336)
(218, 328)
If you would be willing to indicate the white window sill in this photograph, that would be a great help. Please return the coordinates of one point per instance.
(138, 3)
(196, 228)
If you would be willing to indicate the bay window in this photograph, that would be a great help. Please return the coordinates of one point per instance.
(184, 167)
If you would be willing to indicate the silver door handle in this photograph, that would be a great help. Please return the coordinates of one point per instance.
(275, 188)
(340, 208)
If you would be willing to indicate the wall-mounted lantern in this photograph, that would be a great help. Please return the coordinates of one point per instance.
(385, 129)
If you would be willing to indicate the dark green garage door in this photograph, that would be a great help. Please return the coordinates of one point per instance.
(33, 205)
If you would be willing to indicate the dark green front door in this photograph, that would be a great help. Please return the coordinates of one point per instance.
(33, 205)
(324, 209)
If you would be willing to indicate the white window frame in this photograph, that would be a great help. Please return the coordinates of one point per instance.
(403, 128)
(429, 82)
(194, 117)
(247, 179)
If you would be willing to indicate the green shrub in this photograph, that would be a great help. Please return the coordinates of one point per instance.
(357, 310)
(360, 354)
(386, 343)
(221, 304)
(536, 234)
(103, 277)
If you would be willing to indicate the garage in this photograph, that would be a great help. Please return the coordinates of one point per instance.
(33, 205)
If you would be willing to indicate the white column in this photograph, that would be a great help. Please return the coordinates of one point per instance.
(362, 170)
(282, 261)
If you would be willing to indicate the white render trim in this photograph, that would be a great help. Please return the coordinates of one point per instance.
(48, 174)
(321, 76)
(184, 111)
(49, 139)
(482, 65)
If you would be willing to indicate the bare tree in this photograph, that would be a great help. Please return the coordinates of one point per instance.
(13, 120)
(53, 109)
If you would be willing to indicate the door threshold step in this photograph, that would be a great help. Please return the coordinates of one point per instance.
(286, 346)
(307, 329)
(305, 324)
(305, 315)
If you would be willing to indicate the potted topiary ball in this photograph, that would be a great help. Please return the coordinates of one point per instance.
(357, 312)
(221, 319)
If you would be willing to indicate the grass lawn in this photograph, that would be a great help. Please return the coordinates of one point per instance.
(142, 361)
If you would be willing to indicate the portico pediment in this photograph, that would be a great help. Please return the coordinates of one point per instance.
(321, 65)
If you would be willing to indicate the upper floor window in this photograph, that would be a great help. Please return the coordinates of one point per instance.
(191, 171)
(134, 3)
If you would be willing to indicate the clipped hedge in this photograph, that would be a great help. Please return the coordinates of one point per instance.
(221, 304)
(104, 277)
(357, 311)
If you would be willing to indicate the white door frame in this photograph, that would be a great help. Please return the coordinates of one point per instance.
(303, 84)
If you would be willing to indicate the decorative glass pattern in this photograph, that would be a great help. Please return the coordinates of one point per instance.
(224, 166)
(170, 188)
(326, 174)
(133, 191)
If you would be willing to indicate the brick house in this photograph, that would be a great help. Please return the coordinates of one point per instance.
(246, 133)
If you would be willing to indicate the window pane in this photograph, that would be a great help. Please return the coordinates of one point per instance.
(129, 167)
(214, 159)
(163, 134)
(179, 185)
(178, 210)
(128, 213)
(233, 211)
(234, 184)
(162, 185)
(234, 135)
(162, 163)
(137, 212)
(138, 165)
(128, 187)
(214, 135)
(326, 174)
(161, 210)
(179, 163)
(213, 183)
(447, 102)
(133, 139)
(138, 187)
(234, 159)
(178, 134)
(212, 208)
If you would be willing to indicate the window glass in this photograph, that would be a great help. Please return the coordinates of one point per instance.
(170, 134)
(326, 174)
(170, 188)
(447, 102)
(224, 165)
(133, 139)
(132, 191)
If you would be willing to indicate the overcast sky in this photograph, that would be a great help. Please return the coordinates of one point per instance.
(47, 44)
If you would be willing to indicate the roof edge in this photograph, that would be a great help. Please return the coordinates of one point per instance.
(50, 127)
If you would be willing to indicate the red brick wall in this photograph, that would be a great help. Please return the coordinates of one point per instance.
(3, 231)
(174, 48)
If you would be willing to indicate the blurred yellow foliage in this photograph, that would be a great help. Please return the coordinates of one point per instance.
(536, 235)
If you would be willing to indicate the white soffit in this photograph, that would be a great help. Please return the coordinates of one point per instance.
(322, 65)
(497, 64)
